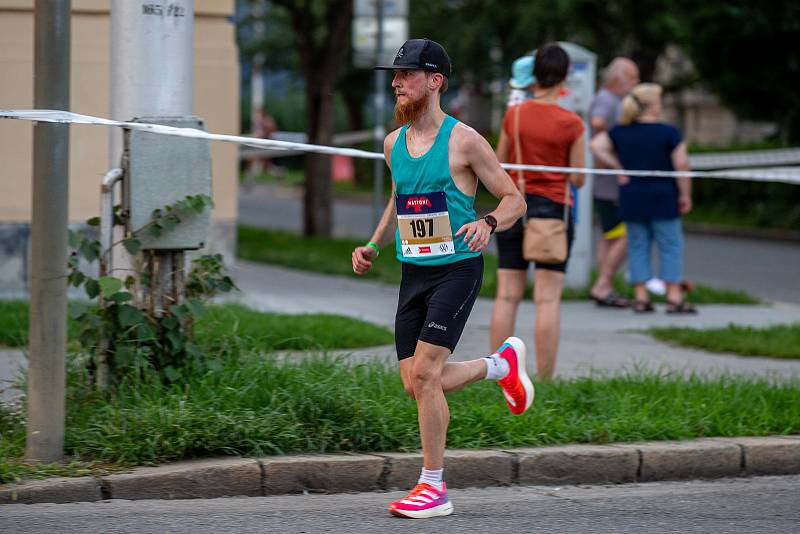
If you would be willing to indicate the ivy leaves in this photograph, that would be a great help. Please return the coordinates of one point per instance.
(133, 337)
(168, 218)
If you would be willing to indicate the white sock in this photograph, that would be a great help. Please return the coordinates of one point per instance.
(496, 367)
(432, 477)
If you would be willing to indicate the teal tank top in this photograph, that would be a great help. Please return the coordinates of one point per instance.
(425, 197)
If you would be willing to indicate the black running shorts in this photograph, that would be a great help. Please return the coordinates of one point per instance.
(434, 303)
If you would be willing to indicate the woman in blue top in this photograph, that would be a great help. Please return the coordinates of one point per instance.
(650, 206)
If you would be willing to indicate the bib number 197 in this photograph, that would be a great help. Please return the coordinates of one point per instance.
(421, 227)
(424, 224)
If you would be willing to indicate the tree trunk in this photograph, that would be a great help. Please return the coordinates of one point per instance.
(318, 213)
(355, 113)
(321, 30)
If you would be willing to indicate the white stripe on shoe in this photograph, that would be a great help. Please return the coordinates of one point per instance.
(436, 511)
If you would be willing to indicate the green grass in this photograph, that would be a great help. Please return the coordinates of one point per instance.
(332, 256)
(14, 324)
(255, 406)
(315, 254)
(780, 341)
(289, 177)
(223, 325)
(274, 331)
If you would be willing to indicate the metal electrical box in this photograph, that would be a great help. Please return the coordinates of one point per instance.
(160, 170)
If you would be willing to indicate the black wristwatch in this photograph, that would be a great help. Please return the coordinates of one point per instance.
(492, 222)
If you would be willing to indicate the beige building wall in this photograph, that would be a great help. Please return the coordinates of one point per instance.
(216, 100)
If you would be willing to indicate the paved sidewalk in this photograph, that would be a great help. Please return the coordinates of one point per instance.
(592, 339)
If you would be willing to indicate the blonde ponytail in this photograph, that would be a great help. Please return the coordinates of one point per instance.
(635, 103)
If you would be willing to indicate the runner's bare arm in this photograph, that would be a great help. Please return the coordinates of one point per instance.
(486, 167)
(483, 162)
(502, 149)
(385, 231)
(363, 256)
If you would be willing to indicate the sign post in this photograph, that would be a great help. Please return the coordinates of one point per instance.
(578, 97)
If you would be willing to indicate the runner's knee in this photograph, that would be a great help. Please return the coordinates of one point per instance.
(424, 376)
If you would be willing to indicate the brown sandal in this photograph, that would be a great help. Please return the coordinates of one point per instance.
(612, 300)
(680, 307)
(643, 306)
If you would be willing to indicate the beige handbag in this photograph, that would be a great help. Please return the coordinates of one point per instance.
(545, 240)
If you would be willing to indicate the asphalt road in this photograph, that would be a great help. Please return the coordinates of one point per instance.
(752, 505)
(766, 269)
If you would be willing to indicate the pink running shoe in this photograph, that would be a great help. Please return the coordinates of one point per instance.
(517, 386)
(424, 501)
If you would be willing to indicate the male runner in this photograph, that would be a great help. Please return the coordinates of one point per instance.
(436, 162)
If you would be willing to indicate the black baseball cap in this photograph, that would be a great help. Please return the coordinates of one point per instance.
(420, 54)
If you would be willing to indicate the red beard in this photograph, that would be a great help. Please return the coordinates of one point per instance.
(410, 111)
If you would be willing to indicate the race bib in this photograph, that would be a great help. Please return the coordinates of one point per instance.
(424, 225)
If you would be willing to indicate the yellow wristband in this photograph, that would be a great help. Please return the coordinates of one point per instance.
(375, 247)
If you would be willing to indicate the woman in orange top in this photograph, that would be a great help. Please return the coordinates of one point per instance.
(548, 135)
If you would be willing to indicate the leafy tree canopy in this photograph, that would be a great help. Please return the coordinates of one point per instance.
(747, 51)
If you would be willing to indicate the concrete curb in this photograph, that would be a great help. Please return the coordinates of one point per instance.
(562, 465)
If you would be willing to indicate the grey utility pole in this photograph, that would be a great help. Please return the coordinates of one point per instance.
(48, 299)
(151, 62)
(151, 76)
(380, 112)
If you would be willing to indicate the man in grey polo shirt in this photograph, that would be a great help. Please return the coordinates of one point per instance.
(619, 78)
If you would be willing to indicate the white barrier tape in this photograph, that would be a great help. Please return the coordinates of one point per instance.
(787, 174)
(749, 158)
(39, 115)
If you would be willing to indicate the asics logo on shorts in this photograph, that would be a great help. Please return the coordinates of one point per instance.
(436, 326)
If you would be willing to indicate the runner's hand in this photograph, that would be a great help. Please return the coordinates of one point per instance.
(622, 179)
(476, 234)
(362, 259)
